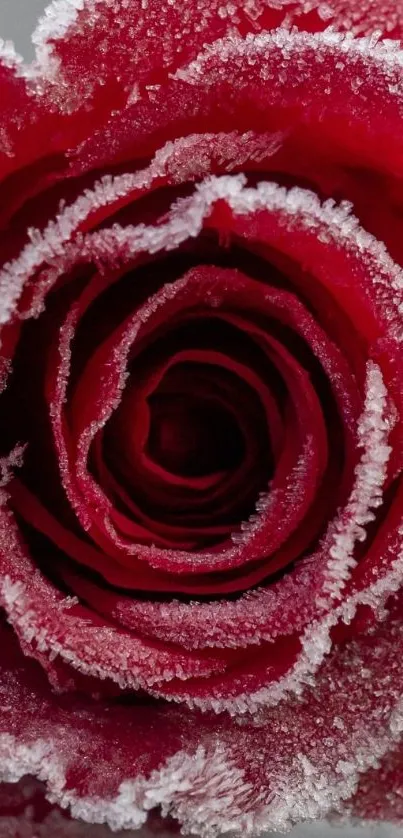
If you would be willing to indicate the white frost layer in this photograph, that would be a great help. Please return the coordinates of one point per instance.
(200, 789)
(307, 791)
(367, 494)
(315, 646)
(58, 17)
(38, 759)
(8, 464)
(61, 16)
(386, 54)
(99, 651)
(364, 17)
(334, 222)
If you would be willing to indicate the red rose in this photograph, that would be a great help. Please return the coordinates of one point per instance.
(201, 416)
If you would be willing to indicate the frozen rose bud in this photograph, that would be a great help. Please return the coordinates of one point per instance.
(201, 418)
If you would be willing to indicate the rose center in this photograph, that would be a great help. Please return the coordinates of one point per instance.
(192, 436)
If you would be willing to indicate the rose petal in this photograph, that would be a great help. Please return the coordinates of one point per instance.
(148, 42)
(317, 122)
(303, 759)
(51, 626)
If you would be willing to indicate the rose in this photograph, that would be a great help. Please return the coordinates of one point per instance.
(201, 415)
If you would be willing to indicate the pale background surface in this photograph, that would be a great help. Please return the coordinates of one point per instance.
(17, 21)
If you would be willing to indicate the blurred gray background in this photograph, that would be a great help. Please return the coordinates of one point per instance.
(17, 21)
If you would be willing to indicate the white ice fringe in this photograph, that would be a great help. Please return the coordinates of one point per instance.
(387, 54)
(205, 790)
(373, 431)
(186, 222)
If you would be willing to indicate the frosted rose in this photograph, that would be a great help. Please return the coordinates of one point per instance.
(201, 416)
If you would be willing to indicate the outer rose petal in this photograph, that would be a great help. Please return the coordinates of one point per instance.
(322, 101)
(144, 41)
(140, 129)
(298, 761)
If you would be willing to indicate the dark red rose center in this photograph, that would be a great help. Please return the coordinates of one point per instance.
(192, 436)
(189, 444)
(177, 424)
